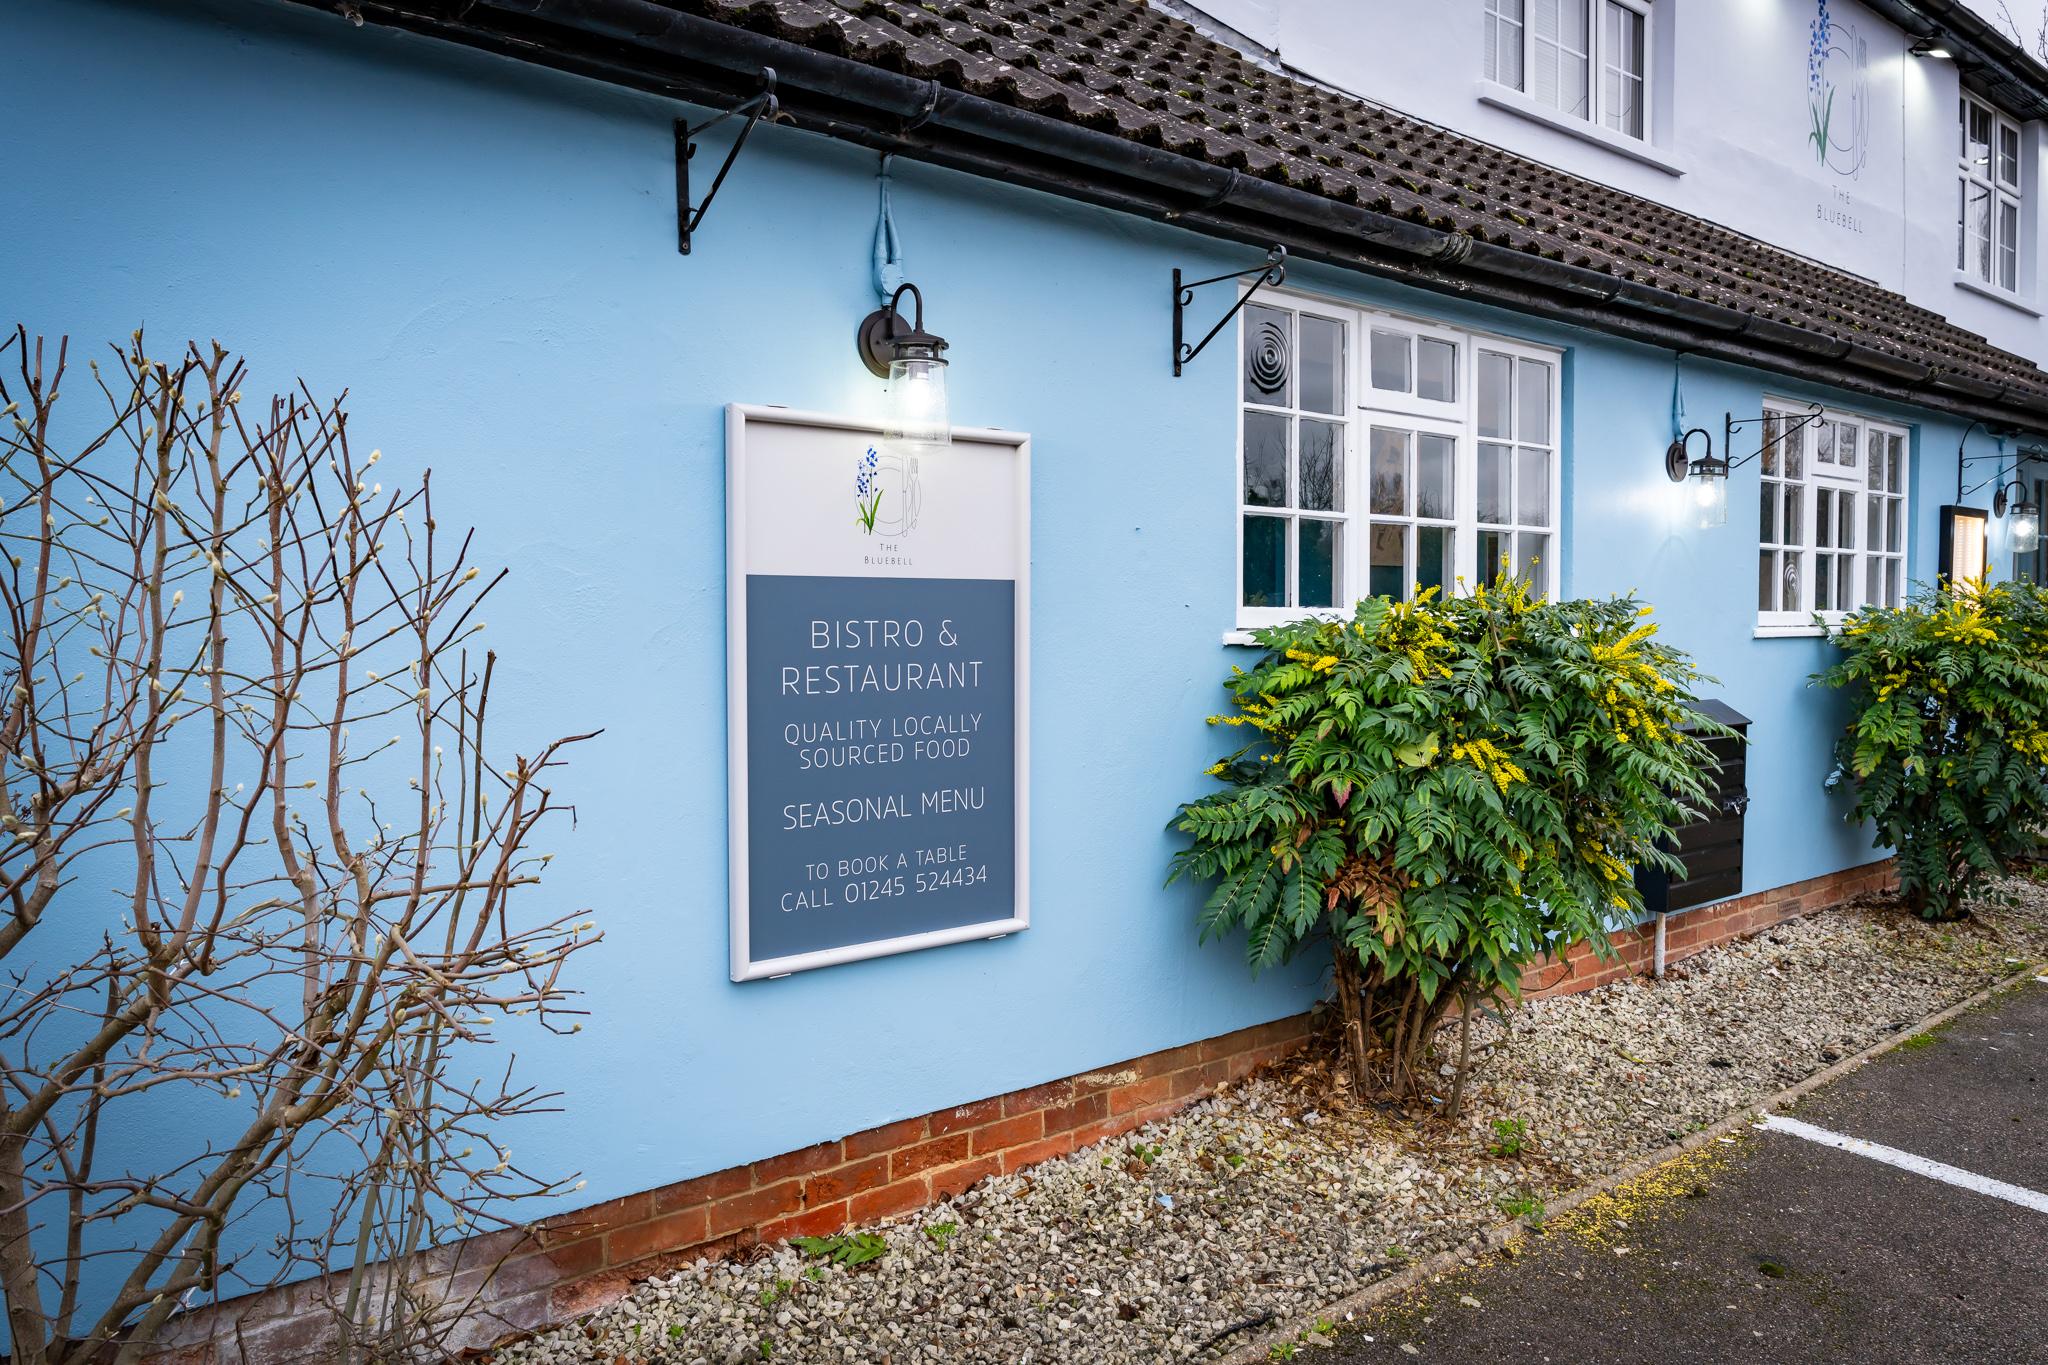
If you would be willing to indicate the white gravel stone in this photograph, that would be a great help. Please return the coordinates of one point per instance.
(1277, 1196)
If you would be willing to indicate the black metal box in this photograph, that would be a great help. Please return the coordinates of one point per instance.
(1711, 849)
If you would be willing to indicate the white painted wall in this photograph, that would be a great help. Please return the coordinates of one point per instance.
(1730, 129)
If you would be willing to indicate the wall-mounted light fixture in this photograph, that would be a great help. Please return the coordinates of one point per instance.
(2026, 515)
(1962, 545)
(914, 363)
(1709, 477)
(1930, 46)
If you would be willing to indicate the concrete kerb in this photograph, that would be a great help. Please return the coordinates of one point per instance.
(1493, 1238)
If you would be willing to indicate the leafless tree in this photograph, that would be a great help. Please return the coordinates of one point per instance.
(264, 893)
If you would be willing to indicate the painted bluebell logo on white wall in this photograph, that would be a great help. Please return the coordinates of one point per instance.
(1837, 93)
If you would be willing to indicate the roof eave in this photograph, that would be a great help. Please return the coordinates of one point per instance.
(651, 47)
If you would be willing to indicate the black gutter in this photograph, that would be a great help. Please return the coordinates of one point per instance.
(1989, 62)
(651, 47)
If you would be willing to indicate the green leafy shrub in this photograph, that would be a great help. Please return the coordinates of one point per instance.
(1947, 747)
(1443, 789)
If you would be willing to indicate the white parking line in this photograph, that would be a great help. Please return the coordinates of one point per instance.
(1906, 1161)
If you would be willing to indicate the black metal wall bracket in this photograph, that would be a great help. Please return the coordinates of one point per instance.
(1730, 422)
(1272, 271)
(688, 220)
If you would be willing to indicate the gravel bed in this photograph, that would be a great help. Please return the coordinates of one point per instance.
(1177, 1241)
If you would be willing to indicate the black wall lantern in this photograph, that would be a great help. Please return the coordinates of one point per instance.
(2026, 515)
(913, 361)
(1709, 476)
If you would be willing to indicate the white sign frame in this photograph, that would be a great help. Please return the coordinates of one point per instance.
(739, 418)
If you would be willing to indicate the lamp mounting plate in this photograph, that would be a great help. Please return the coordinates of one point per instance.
(874, 343)
(1676, 462)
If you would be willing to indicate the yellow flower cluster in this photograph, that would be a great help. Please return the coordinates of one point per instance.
(1486, 756)
(1409, 632)
(1318, 663)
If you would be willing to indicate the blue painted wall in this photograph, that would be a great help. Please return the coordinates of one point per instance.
(483, 254)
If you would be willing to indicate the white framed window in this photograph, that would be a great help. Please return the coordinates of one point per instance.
(1831, 517)
(1989, 194)
(1380, 455)
(1587, 59)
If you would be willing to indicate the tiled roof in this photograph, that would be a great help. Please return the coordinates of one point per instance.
(1125, 68)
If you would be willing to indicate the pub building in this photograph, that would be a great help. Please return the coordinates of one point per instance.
(894, 418)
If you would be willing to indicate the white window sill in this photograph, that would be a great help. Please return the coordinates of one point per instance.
(1635, 149)
(1239, 637)
(1965, 280)
(1789, 632)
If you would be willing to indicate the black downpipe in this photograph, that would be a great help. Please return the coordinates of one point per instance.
(652, 47)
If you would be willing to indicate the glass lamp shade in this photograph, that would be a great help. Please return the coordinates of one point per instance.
(2026, 527)
(1709, 496)
(917, 421)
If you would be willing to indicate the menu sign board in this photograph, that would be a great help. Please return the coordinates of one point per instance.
(877, 636)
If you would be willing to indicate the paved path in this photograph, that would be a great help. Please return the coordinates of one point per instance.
(1780, 1248)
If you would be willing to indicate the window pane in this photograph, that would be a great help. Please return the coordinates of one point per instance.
(1823, 581)
(1434, 563)
(1389, 568)
(1794, 526)
(1895, 445)
(1767, 581)
(1892, 571)
(1317, 573)
(1845, 520)
(2008, 244)
(1977, 145)
(1823, 442)
(1767, 514)
(1265, 460)
(1873, 537)
(1493, 556)
(1794, 450)
(1848, 442)
(1268, 354)
(1774, 432)
(1894, 535)
(1824, 517)
(1322, 465)
(1390, 361)
(1389, 478)
(1494, 385)
(1622, 46)
(1504, 41)
(1532, 557)
(1532, 401)
(1532, 486)
(1788, 584)
(1265, 561)
(1977, 230)
(2009, 155)
(1436, 370)
(1873, 580)
(1493, 482)
(1322, 365)
(1433, 489)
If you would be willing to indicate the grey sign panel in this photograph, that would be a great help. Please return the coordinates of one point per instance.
(881, 759)
(878, 698)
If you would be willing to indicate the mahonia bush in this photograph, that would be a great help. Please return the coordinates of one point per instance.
(1445, 789)
(1947, 746)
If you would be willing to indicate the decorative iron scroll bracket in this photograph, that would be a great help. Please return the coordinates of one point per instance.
(1731, 422)
(688, 220)
(2004, 477)
(1272, 271)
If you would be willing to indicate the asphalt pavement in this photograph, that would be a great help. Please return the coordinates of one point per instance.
(1779, 1248)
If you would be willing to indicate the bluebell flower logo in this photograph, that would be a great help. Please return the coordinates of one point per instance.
(867, 490)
